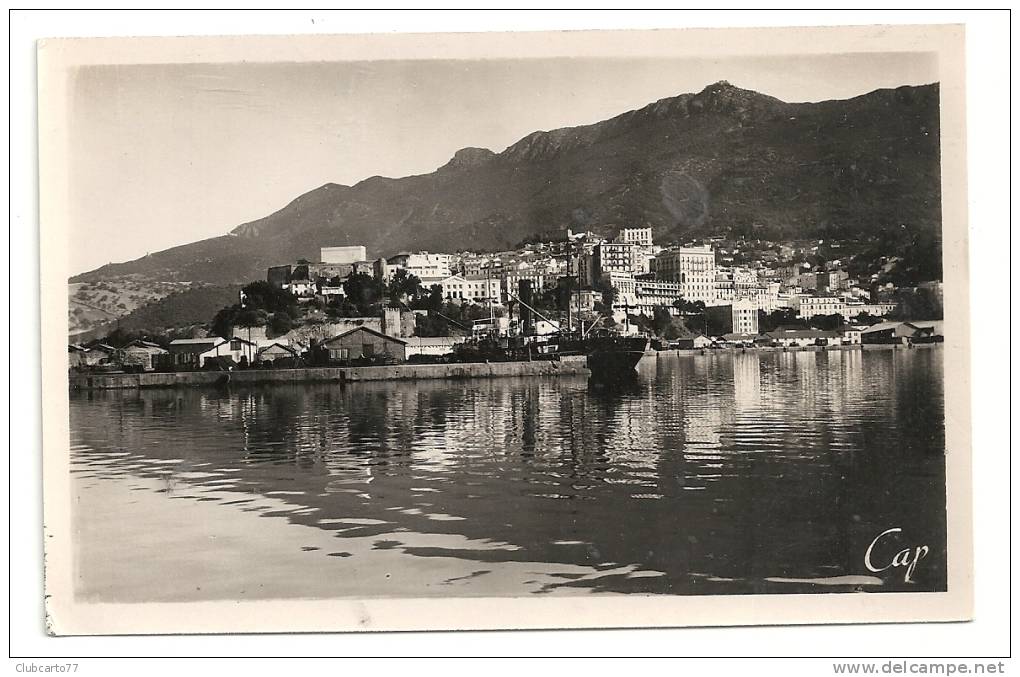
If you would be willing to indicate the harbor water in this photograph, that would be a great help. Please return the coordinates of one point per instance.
(724, 473)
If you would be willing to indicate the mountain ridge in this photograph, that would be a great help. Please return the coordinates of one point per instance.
(724, 159)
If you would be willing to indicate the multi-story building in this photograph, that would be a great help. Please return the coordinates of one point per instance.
(806, 281)
(651, 293)
(810, 305)
(540, 279)
(875, 309)
(471, 289)
(738, 317)
(831, 280)
(641, 295)
(623, 283)
(735, 283)
(423, 265)
(302, 278)
(605, 258)
(766, 296)
(693, 267)
(745, 316)
(583, 302)
(641, 237)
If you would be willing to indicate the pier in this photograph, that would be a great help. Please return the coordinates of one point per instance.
(565, 366)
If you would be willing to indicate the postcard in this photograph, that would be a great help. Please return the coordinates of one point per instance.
(505, 330)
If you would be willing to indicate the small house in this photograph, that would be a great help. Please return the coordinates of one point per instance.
(849, 335)
(141, 354)
(363, 343)
(701, 341)
(277, 355)
(187, 353)
(99, 353)
(194, 353)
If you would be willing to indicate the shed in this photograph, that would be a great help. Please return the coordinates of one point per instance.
(888, 332)
(363, 343)
(739, 339)
(99, 353)
(141, 354)
(276, 353)
(434, 346)
(802, 337)
(77, 356)
(701, 341)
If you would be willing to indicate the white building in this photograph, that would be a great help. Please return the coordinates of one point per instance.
(642, 296)
(693, 267)
(637, 236)
(605, 258)
(342, 254)
(471, 289)
(651, 293)
(745, 317)
(434, 346)
(193, 353)
(811, 305)
(624, 284)
(767, 297)
(423, 265)
(874, 309)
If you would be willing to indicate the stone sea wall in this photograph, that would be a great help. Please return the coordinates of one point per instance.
(401, 372)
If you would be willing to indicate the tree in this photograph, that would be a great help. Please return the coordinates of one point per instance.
(262, 295)
(866, 318)
(826, 322)
(342, 308)
(280, 324)
(402, 286)
(609, 292)
(364, 291)
(778, 318)
(119, 338)
(223, 323)
(664, 324)
(689, 307)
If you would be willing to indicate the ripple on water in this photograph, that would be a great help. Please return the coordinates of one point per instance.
(728, 465)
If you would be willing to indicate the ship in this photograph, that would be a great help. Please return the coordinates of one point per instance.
(608, 355)
(615, 356)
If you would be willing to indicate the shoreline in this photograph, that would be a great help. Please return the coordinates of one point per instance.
(566, 366)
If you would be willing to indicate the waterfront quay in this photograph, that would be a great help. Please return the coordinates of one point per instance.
(565, 366)
(574, 365)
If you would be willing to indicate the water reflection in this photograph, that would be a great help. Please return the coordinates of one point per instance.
(723, 473)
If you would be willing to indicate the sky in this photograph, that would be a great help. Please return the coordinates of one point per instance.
(164, 155)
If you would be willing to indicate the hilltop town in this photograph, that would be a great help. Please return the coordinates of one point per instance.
(712, 292)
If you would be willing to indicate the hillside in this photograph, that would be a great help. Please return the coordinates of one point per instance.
(724, 160)
(94, 304)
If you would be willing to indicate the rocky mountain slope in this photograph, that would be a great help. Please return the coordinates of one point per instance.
(724, 160)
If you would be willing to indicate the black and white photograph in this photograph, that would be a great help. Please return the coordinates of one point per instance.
(437, 331)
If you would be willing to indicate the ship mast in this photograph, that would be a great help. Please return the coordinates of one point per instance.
(488, 295)
(580, 251)
(570, 295)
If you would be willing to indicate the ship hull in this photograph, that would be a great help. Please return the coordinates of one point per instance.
(610, 363)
